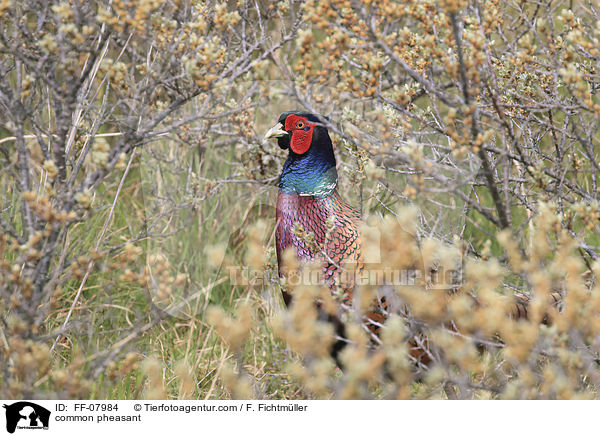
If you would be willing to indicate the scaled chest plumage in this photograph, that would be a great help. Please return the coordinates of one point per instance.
(333, 223)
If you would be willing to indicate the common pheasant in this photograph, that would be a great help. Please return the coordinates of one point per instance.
(309, 201)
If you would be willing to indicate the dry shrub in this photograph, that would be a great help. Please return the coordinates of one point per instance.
(477, 344)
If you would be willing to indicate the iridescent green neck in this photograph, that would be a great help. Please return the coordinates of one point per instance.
(308, 175)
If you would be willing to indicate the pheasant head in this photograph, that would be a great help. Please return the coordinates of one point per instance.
(310, 166)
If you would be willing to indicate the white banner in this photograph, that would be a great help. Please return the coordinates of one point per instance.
(296, 417)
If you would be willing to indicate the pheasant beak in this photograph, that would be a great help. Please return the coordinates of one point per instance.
(276, 132)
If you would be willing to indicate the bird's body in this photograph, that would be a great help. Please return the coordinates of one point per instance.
(309, 202)
(312, 218)
(333, 223)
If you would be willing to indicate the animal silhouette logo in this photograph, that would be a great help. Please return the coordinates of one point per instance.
(26, 415)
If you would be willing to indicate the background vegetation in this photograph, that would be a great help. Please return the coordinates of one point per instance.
(135, 180)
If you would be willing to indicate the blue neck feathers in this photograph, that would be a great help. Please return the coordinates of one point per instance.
(312, 173)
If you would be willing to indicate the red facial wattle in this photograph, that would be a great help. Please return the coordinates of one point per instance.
(302, 132)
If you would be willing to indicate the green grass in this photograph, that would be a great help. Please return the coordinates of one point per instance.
(108, 308)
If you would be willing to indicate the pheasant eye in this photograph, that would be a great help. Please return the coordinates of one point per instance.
(299, 125)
